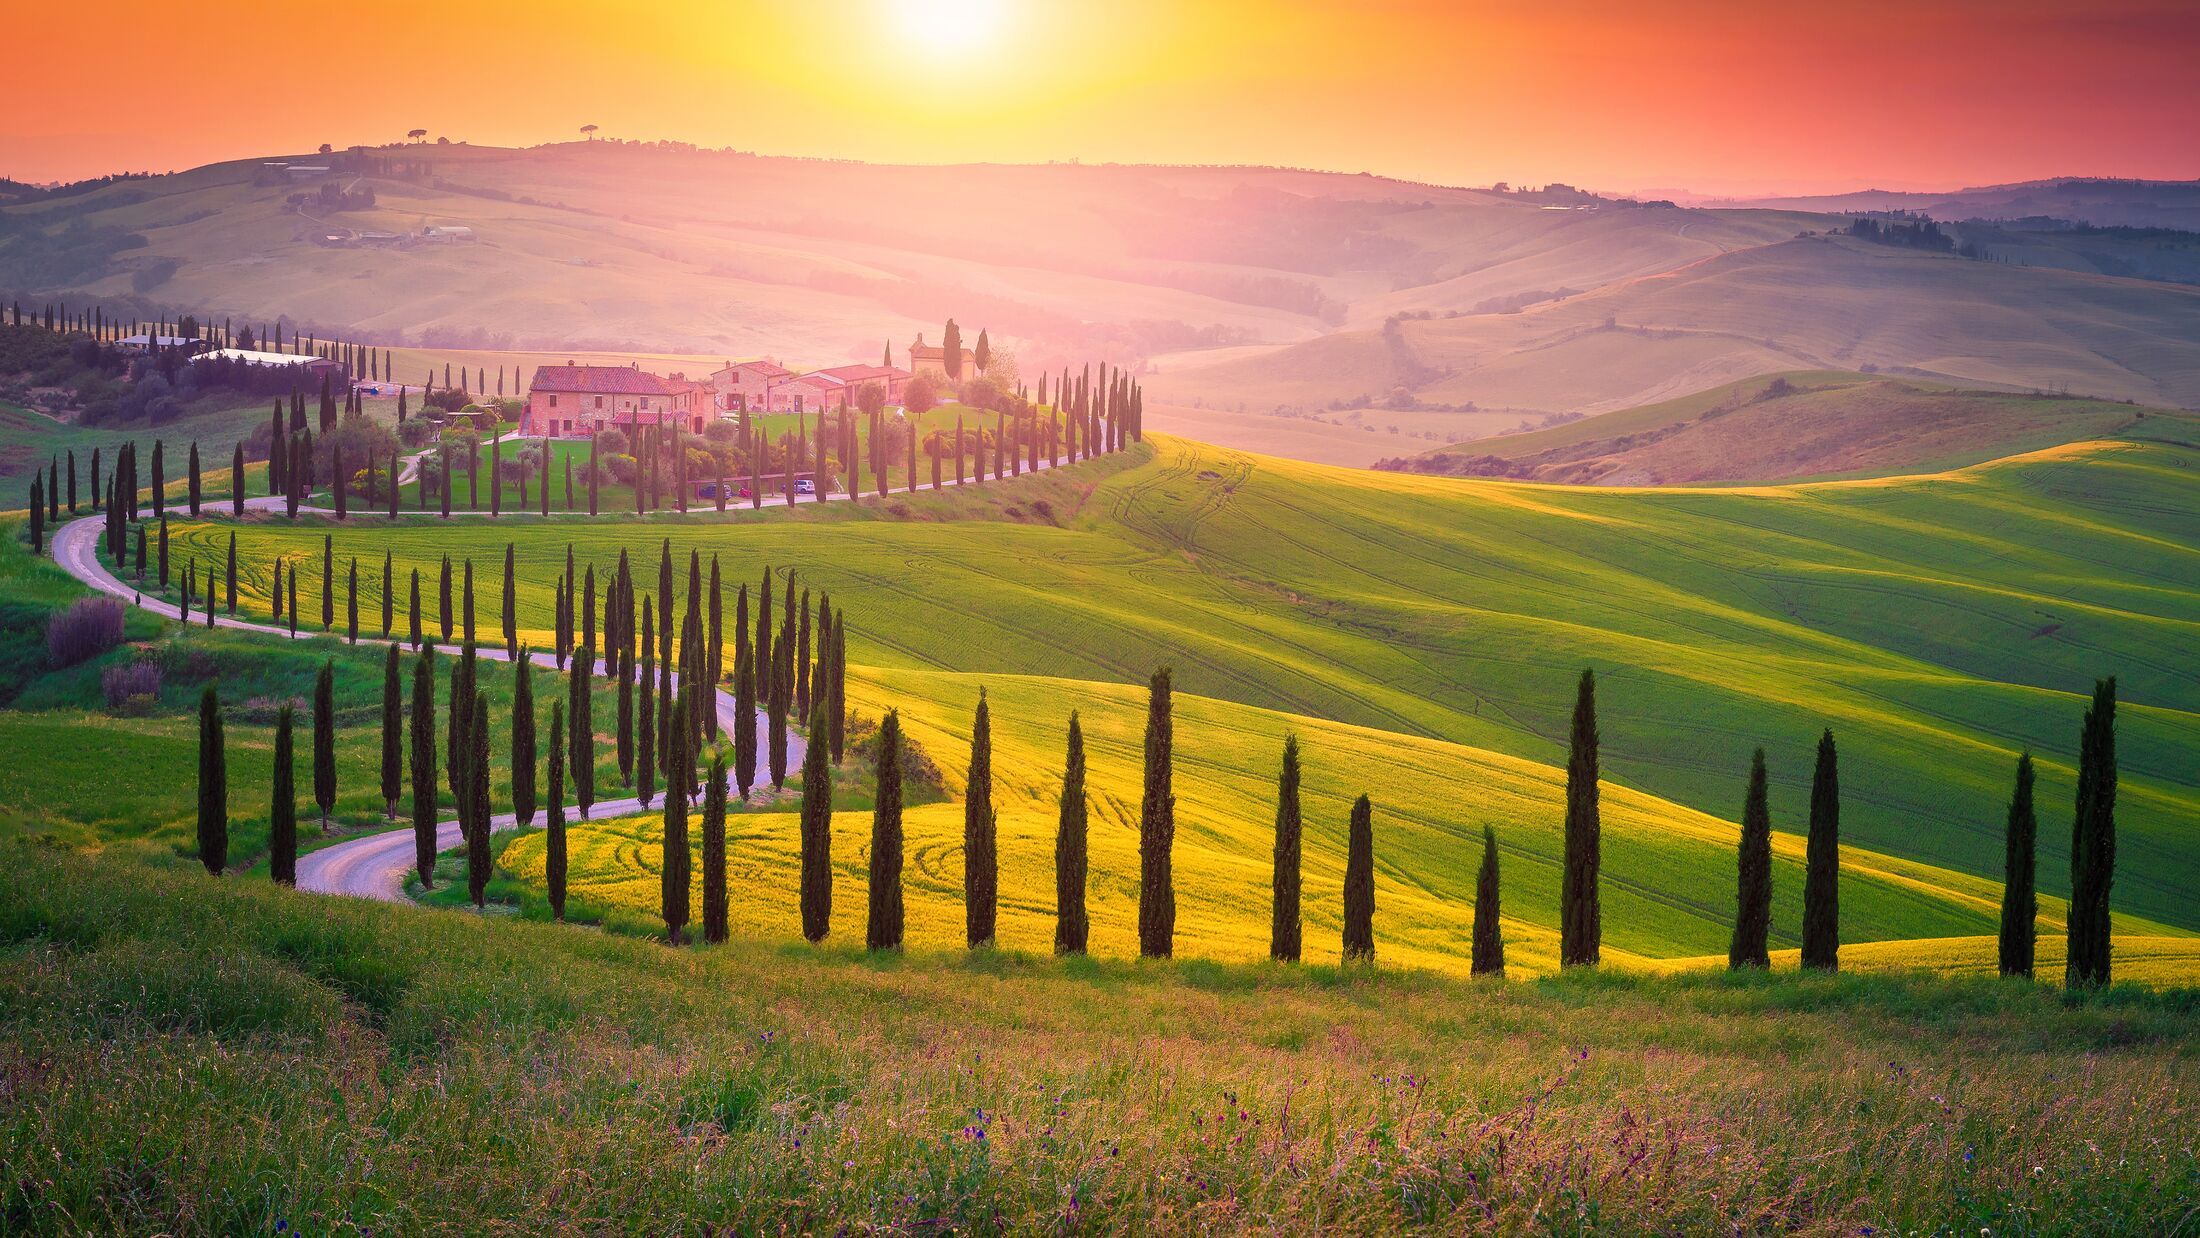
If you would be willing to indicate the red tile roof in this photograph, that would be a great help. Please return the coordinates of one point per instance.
(769, 369)
(864, 373)
(600, 380)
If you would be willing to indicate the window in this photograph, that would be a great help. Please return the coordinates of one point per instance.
(599, 401)
(553, 401)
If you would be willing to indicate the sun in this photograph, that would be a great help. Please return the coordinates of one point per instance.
(949, 26)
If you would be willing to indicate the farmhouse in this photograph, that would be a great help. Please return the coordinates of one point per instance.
(569, 400)
(142, 342)
(834, 388)
(923, 357)
(747, 385)
(313, 368)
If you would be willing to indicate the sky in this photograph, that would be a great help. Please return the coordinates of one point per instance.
(1714, 96)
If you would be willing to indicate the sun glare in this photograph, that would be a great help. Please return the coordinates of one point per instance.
(949, 26)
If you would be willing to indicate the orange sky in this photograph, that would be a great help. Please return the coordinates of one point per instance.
(1713, 95)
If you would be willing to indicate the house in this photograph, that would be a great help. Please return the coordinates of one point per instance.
(922, 357)
(142, 342)
(747, 385)
(313, 368)
(835, 388)
(566, 401)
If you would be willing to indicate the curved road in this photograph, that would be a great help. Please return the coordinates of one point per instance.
(374, 865)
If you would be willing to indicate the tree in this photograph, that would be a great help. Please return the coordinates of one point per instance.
(883, 929)
(744, 721)
(328, 582)
(981, 859)
(1359, 884)
(1489, 936)
(679, 783)
(423, 767)
(324, 741)
(1580, 928)
(714, 849)
(1753, 896)
(817, 839)
(1157, 828)
(582, 740)
(524, 751)
(351, 603)
(236, 481)
(477, 815)
(444, 600)
(466, 604)
(554, 858)
(951, 347)
(1822, 872)
(2093, 843)
(511, 606)
(393, 733)
(193, 499)
(2019, 899)
(1283, 931)
(282, 813)
(1072, 925)
(775, 730)
(413, 611)
(983, 353)
(645, 748)
(213, 835)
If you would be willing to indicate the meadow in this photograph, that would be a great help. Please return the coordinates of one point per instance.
(1937, 624)
(226, 1056)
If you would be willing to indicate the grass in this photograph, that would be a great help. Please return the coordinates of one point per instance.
(1447, 620)
(189, 1056)
(28, 439)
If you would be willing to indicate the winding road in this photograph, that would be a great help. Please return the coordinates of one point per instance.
(373, 865)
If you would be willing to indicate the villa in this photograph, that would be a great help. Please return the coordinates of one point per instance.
(565, 401)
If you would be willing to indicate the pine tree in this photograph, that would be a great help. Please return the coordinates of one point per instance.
(2093, 843)
(981, 859)
(2019, 901)
(324, 741)
(1489, 935)
(524, 752)
(213, 834)
(1359, 884)
(1157, 828)
(282, 817)
(714, 849)
(1283, 931)
(477, 778)
(393, 733)
(883, 929)
(1753, 897)
(744, 722)
(554, 858)
(1072, 926)
(674, 871)
(1822, 872)
(817, 842)
(1581, 931)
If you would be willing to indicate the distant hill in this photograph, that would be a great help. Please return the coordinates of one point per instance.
(1800, 425)
(2095, 200)
(1821, 302)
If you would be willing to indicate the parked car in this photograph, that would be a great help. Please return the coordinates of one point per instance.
(804, 485)
(709, 490)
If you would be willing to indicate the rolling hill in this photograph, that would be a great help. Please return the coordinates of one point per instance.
(1799, 425)
(1426, 633)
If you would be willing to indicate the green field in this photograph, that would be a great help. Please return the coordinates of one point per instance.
(28, 439)
(1938, 625)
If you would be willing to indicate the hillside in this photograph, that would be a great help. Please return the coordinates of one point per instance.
(1809, 303)
(1718, 620)
(1795, 426)
(2103, 201)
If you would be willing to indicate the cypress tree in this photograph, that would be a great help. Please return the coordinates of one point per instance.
(817, 842)
(236, 481)
(163, 552)
(1157, 828)
(553, 825)
(324, 740)
(393, 733)
(444, 599)
(412, 610)
(764, 661)
(714, 849)
(282, 819)
(477, 777)
(159, 487)
(466, 603)
(802, 654)
(328, 582)
(775, 731)
(645, 750)
(213, 834)
(351, 603)
(290, 584)
(1359, 884)
(583, 736)
(38, 515)
(389, 593)
(883, 929)
(511, 605)
(2019, 901)
(1822, 874)
(230, 577)
(678, 784)
(193, 499)
(625, 676)
(1072, 926)
(460, 724)
(1489, 936)
(981, 858)
(524, 752)
(744, 722)
(1283, 931)
(1753, 898)
(1581, 930)
(837, 706)
(2093, 843)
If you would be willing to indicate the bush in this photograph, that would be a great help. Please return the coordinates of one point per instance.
(90, 627)
(131, 688)
(611, 442)
(621, 468)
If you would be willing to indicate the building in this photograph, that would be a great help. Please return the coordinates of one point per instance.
(142, 342)
(922, 357)
(569, 401)
(747, 385)
(835, 388)
(314, 368)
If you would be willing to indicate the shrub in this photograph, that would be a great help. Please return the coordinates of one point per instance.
(131, 688)
(621, 468)
(90, 627)
(611, 442)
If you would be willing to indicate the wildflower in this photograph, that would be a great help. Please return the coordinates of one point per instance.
(1967, 1154)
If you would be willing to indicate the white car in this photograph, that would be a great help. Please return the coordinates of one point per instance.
(804, 485)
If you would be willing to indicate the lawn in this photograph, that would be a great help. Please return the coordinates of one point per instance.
(29, 439)
(1930, 623)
